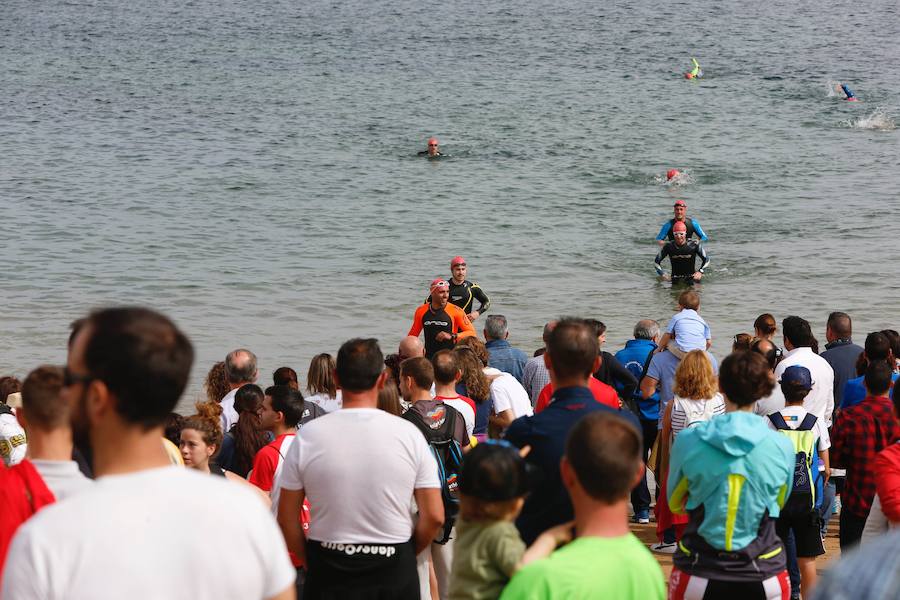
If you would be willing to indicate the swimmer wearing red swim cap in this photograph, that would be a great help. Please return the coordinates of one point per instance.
(442, 322)
(682, 254)
(691, 225)
(672, 174)
(432, 148)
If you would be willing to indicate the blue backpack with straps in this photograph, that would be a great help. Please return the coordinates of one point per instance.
(806, 491)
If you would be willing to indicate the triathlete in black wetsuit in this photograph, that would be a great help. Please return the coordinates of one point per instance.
(683, 256)
(463, 292)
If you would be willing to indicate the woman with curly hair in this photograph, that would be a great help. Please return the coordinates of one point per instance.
(201, 438)
(216, 383)
(697, 399)
(508, 398)
(475, 385)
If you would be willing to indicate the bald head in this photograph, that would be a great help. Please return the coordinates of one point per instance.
(411, 347)
(548, 329)
(767, 349)
(240, 367)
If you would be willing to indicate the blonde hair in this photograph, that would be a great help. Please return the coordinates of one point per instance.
(694, 377)
(320, 377)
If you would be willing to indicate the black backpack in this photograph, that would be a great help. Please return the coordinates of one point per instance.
(448, 455)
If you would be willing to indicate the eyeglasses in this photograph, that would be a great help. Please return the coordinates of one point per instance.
(459, 265)
(70, 378)
(681, 206)
(432, 145)
(679, 234)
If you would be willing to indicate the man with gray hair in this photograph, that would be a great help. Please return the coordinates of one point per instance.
(502, 356)
(635, 356)
(535, 375)
(240, 369)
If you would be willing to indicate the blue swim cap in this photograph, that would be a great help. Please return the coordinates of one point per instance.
(847, 90)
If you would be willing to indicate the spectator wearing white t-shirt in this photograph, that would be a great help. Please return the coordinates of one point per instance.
(320, 386)
(45, 414)
(360, 469)
(798, 341)
(447, 374)
(508, 398)
(240, 369)
(145, 529)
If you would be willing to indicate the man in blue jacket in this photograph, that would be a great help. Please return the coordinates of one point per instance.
(635, 356)
(501, 354)
(840, 352)
(573, 354)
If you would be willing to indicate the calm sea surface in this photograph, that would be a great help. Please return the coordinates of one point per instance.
(249, 168)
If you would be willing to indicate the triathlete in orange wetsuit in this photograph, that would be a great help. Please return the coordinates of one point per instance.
(442, 322)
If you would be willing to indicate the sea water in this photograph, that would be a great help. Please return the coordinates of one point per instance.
(250, 168)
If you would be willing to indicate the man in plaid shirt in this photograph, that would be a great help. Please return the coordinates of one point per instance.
(859, 434)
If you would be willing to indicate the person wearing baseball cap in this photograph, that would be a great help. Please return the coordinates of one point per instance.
(442, 323)
(683, 255)
(463, 293)
(693, 227)
(432, 151)
(809, 435)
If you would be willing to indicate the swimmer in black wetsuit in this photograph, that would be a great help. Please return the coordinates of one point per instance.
(683, 256)
(463, 293)
(432, 151)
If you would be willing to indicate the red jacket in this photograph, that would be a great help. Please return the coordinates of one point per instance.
(22, 493)
(604, 394)
(887, 484)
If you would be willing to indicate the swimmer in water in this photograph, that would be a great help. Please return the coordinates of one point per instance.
(672, 174)
(432, 148)
(851, 97)
(696, 72)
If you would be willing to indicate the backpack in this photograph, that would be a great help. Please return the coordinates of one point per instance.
(639, 370)
(438, 427)
(695, 412)
(803, 497)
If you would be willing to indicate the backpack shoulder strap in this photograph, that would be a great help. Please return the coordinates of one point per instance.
(778, 421)
(646, 364)
(416, 419)
(808, 422)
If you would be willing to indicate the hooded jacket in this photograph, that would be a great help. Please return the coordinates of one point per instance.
(737, 470)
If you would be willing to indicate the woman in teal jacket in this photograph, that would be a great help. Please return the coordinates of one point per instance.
(731, 475)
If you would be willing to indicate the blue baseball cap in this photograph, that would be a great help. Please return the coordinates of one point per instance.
(797, 375)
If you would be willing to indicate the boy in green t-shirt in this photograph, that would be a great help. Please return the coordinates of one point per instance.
(601, 465)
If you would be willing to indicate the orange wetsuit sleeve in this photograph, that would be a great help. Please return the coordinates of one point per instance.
(462, 326)
(416, 328)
